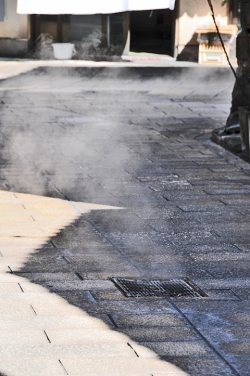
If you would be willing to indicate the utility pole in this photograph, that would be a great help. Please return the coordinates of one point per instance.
(241, 91)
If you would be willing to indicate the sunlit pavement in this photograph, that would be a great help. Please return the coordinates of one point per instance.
(41, 334)
(109, 172)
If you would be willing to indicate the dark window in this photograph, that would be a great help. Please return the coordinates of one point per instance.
(2, 10)
(160, 18)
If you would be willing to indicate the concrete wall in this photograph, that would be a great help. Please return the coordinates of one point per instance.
(14, 31)
(193, 14)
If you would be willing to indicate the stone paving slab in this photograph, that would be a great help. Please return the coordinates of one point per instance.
(137, 139)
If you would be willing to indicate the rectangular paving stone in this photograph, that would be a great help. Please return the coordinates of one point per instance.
(227, 269)
(41, 323)
(187, 237)
(213, 207)
(161, 334)
(176, 224)
(220, 256)
(112, 295)
(90, 343)
(114, 307)
(148, 320)
(32, 365)
(108, 268)
(185, 348)
(120, 366)
(16, 307)
(19, 269)
(239, 309)
(237, 285)
(68, 350)
(234, 234)
(241, 364)
(23, 338)
(48, 277)
(227, 342)
(94, 259)
(159, 213)
(202, 365)
(87, 249)
(228, 191)
(242, 293)
(78, 285)
(10, 287)
(170, 270)
(77, 242)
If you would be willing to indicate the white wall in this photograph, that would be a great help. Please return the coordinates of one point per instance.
(194, 14)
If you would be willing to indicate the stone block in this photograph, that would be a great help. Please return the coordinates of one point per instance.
(202, 365)
(121, 366)
(160, 334)
(148, 320)
(34, 366)
(180, 348)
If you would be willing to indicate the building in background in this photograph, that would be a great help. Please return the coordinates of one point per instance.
(141, 30)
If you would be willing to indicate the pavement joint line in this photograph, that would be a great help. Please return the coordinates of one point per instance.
(222, 91)
(47, 337)
(133, 349)
(205, 339)
(79, 276)
(20, 287)
(60, 362)
(33, 309)
(114, 246)
(112, 320)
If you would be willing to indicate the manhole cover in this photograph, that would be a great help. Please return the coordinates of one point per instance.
(160, 288)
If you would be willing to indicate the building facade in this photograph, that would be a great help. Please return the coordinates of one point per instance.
(158, 31)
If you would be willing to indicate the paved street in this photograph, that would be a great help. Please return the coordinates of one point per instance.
(110, 172)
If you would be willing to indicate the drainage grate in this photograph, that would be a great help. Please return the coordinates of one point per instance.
(172, 288)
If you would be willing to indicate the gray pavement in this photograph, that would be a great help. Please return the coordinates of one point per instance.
(138, 138)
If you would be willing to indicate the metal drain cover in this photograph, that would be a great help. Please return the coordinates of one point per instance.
(159, 288)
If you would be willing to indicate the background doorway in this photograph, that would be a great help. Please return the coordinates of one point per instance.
(152, 31)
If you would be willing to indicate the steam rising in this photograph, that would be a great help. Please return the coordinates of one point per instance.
(116, 137)
(89, 48)
(86, 131)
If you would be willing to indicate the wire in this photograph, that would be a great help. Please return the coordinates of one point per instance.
(223, 46)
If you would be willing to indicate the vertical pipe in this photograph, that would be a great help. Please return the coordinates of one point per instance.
(126, 33)
(230, 11)
(108, 30)
(234, 11)
(59, 29)
(126, 25)
(2, 10)
(104, 30)
(32, 28)
(37, 26)
(175, 37)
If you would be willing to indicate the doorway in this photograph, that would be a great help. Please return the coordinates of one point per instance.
(152, 31)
